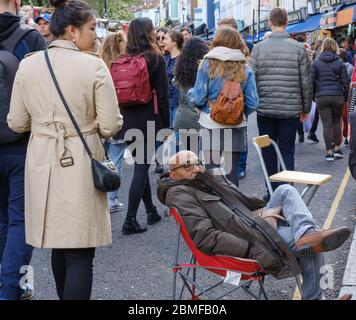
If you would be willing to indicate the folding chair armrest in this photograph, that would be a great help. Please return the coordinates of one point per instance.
(301, 177)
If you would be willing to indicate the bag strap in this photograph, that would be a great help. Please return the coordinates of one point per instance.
(155, 101)
(11, 42)
(67, 107)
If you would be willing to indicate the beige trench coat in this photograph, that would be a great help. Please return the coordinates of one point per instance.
(62, 207)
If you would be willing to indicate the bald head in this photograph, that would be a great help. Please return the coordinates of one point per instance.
(182, 157)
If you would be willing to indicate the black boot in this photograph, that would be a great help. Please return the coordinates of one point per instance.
(153, 217)
(131, 226)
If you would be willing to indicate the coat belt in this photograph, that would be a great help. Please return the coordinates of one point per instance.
(61, 132)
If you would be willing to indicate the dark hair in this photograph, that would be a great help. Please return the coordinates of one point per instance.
(163, 29)
(177, 37)
(140, 37)
(186, 29)
(187, 62)
(300, 38)
(342, 54)
(69, 12)
(340, 40)
(278, 17)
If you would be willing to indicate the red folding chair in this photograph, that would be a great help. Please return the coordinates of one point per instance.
(250, 270)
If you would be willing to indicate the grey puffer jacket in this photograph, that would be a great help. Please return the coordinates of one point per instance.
(186, 117)
(283, 77)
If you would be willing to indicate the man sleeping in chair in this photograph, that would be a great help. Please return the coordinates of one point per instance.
(281, 234)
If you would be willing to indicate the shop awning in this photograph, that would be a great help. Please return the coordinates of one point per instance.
(311, 24)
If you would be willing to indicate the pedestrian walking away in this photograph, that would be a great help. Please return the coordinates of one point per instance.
(330, 86)
(187, 115)
(141, 42)
(68, 215)
(284, 87)
(224, 65)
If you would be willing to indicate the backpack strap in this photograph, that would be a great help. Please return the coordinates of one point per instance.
(12, 41)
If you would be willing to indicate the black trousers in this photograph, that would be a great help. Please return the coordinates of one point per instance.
(73, 273)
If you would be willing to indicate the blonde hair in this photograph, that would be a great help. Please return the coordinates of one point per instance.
(231, 70)
(330, 45)
(114, 46)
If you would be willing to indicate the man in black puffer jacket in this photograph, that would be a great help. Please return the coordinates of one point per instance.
(331, 84)
(284, 88)
(15, 254)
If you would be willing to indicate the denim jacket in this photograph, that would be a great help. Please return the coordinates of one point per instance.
(205, 88)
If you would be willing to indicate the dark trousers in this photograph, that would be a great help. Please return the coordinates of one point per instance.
(73, 273)
(140, 189)
(283, 132)
(315, 122)
(330, 109)
(14, 252)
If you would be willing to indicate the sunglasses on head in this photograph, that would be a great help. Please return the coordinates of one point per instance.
(189, 166)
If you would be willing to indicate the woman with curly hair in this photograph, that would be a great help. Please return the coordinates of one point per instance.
(225, 61)
(187, 117)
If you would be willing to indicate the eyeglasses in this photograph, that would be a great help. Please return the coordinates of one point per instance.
(189, 166)
(160, 38)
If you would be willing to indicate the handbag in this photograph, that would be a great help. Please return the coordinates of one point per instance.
(105, 176)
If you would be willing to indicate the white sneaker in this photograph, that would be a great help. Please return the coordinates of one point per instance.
(117, 206)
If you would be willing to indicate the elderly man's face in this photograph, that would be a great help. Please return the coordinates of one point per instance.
(186, 169)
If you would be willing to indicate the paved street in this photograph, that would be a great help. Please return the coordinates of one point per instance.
(138, 266)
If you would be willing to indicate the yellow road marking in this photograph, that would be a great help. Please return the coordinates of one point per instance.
(331, 215)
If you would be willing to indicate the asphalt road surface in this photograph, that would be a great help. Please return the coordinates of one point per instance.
(139, 266)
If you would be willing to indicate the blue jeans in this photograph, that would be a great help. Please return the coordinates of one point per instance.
(172, 113)
(299, 220)
(242, 163)
(116, 153)
(283, 132)
(14, 252)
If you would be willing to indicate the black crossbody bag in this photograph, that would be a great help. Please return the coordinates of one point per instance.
(105, 176)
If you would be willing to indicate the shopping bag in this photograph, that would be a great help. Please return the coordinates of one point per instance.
(307, 124)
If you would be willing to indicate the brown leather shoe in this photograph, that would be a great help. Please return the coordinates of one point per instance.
(321, 241)
(346, 296)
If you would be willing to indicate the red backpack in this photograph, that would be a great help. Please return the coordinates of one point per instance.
(131, 80)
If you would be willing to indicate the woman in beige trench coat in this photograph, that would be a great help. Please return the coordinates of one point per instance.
(63, 210)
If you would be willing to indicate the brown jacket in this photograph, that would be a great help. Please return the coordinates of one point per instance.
(219, 219)
(62, 207)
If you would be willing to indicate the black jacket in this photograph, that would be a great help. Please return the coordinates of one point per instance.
(31, 42)
(329, 76)
(137, 116)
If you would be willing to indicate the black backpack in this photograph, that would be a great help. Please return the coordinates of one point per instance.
(8, 68)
